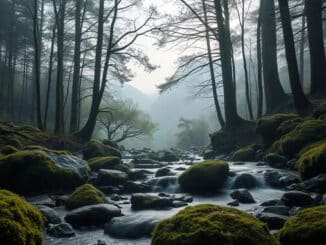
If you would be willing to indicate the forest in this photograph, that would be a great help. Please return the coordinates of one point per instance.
(162, 122)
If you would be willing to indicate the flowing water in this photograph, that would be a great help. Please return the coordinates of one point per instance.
(261, 193)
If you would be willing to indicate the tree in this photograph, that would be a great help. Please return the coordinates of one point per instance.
(301, 102)
(274, 93)
(313, 9)
(124, 121)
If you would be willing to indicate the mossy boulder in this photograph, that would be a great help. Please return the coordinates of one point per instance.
(246, 153)
(20, 222)
(306, 133)
(287, 126)
(267, 127)
(312, 162)
(85, 195)
(113, 163)
(205, 177)
(28, 172)
(8, 149)
(95, 148)
(306, 227)
(210, 224)
(222, 141)
(110, 143)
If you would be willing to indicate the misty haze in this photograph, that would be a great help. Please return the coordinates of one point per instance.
(166, 122)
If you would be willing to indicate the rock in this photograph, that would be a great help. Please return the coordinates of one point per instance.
(204, 177)
(315, 184)
(20, 222)
(306, 227)
(246, 153)
(52, 217)
(276, 160)
(277, 209)
(184, 198)
(222, 142)
(113, 163)
(160, 184)
(209, 154)
(144, 201)
(115, 197)
(288, 179)
(297, 198)
(93, 215)
(272, 178)
(180, 169)
(209, 224)
(85, 195)
(145, 161)
(179, 204)
(234, 203)
(110, 143)
(100, 242)
(134, 187)
(30, 172)
(274, 221)
(61, 230)
(243, 196)
(164, 172)
(95, 148)
(131, 226)
(111, 177)
(138, 174)
(167, 156)
(274, 202)
(245, 181)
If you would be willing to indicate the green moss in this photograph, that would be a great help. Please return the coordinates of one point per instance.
(204, 177)
(85, 195)
(110, 143)
(268, 126)
(95, 148)
(246, 153)
(114, 163)
(8, 149)
(312, 162)
(209, 224)
(12, 140)
(33, 172)
(42, 148)
(304, 134)
(222, 141)
(287, 126)
(306, 227)
(20, 222)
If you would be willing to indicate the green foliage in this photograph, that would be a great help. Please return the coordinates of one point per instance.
(222, 141)
(306, 133)
(306, 227)
(312, 162)
(246, 153)
(33, 172)
(94, 148)
(192, 133)
(209, 224)
(204, 177)
(85, 195)
(114, 163)
(126, 121)
(20, 222)
(268, 126)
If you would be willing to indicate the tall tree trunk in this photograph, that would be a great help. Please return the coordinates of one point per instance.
(301, 103)
(211, 69)
(76, 76)
(316, 46)
(274, 93)
(302, 46)
(259, 68)
(36, 35)
(232, 118)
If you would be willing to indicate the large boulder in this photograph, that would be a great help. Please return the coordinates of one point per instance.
(93, 215)
(209, 224)
(144, 201)
(204, 177)
(167, 156)
(306, 227)
(20, 222)
(131, 226)
(60, 230)
(242, 196)
(306, 133)
(316, 184)
(246, 153)
(297, 198)
(85, 195)
(111, 177)
(245, 180)
(113, 163)
(312, 162)
(51, 215)
(95, 148)
(29, 172)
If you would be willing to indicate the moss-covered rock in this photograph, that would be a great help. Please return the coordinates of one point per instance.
(28, 172)
(95, 148)
(306, 133)
(20, 222)
(205, 177)
(312, 162)
(306, 227)
(222, 141)
(246, 153)
(267, 127)
(110, 143)
(114, 163)
(209, 224)
(85, 195)
(287, 126)
(8, 149)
